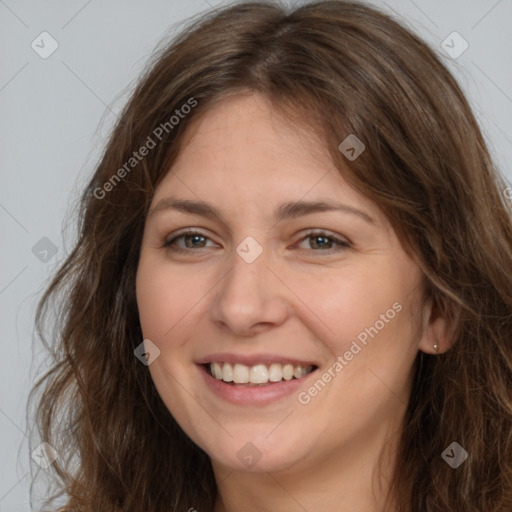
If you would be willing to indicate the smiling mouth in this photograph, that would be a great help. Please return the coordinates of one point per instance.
(258, 375)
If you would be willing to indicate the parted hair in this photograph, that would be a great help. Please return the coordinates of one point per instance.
(337, 68)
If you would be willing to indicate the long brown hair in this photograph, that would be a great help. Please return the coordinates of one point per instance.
(339, 68)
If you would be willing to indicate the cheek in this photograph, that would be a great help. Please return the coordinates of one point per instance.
(160, 299)
(149, 303)
(345, 306)
(156, 300)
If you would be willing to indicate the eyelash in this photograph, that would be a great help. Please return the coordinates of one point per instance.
(310, 234)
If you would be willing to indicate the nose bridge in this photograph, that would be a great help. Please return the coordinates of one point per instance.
(249, 294)
(242, 287)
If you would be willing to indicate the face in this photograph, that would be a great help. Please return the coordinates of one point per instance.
(266, 290)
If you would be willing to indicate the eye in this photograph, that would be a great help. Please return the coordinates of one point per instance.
(193, 239)
(321, 241)
(325, 242)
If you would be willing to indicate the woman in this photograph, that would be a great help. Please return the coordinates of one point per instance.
(293, 284)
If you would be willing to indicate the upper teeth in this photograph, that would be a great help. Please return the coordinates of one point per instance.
(258, 374)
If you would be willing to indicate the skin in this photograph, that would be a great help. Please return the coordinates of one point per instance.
(297, 298)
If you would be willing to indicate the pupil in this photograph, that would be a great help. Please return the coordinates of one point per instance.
(321, 238)
(193, 238)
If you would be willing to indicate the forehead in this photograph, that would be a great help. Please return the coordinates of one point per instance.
(241, 151)
(240, 125)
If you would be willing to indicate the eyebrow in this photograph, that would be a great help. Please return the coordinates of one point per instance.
(289, 210)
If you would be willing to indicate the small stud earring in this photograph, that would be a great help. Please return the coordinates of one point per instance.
(436, 346)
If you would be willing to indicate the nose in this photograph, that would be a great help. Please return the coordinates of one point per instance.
(250, 298)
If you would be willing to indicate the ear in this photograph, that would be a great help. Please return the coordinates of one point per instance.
(439, 327)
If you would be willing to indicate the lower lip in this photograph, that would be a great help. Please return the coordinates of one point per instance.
(253, 395)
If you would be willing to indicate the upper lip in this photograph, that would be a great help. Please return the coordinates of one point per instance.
(252, 360)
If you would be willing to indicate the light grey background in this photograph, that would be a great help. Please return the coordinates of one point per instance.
(55, 114)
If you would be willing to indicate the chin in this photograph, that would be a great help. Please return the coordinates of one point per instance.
(253, 452)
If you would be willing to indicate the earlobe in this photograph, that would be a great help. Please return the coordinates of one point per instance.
(438, 329)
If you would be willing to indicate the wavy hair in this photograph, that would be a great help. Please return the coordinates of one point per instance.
(340, 68)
